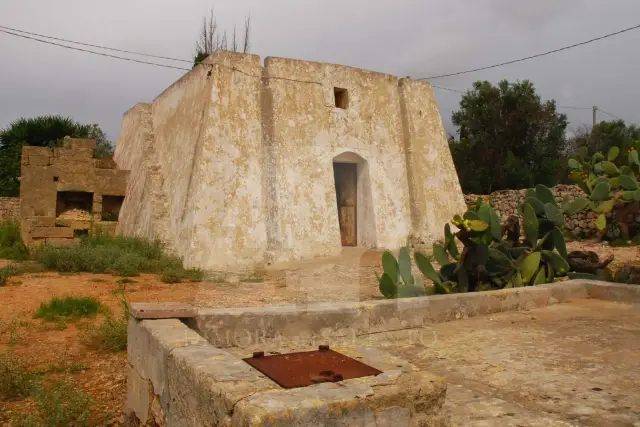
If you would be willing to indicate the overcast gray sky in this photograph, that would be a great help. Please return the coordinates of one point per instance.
(415, 38)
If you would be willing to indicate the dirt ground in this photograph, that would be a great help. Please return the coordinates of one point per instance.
(54, 348)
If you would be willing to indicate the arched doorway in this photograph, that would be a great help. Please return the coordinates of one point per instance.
(353, 199)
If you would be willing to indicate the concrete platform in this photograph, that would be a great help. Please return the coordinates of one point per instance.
(574, 364)
(564, 354)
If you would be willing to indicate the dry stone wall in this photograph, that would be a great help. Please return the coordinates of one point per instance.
(506, 204)
(9, 208)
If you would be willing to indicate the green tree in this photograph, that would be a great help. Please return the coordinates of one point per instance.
(508, 138)
(605, 135)
(43, 131)
(211, 39)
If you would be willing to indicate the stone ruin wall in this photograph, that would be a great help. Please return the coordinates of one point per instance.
(580, 225)
(9, 208)
(65, 192)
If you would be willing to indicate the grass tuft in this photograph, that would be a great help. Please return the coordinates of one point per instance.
(69, 308)
(111, 334)
(15, 379)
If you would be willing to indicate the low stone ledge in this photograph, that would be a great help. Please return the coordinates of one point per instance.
(149, 344)
(618, 292)
(163, 310)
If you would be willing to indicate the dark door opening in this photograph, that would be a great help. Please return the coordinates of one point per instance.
(346, 178)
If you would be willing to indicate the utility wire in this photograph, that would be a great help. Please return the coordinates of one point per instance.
(533, 56)
(13, 32)
(95, 53)
(94, 45)
(616, 117)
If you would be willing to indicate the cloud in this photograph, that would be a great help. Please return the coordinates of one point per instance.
(408, 37)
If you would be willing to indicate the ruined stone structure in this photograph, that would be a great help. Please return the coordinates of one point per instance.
(9, 208)
(64, 190)
(238, 164)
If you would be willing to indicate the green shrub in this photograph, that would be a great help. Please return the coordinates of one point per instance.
(15, 379)
(171, 275)
(17, 269)
(111, 334)
(11, 246)
(123, 256)
(68, 307)
(62, 404)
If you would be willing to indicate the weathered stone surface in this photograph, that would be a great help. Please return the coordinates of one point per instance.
(46, 173)
(39, 160)
(9, 208)
(613, 291)
(46, 232)
(138, 394)
(272, 134)
(162, 310)
(350, 403)
(57, 241)
(206, 383)
(149, 345)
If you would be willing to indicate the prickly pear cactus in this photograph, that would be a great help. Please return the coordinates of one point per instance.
(610, 183)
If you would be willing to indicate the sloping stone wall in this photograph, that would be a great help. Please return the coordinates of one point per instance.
(506, 204)
(9, 208)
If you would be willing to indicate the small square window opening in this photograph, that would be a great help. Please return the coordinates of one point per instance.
(341, 97)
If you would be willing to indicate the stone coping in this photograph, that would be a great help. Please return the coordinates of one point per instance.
(180, 374)
(176, 378)
(242, 327)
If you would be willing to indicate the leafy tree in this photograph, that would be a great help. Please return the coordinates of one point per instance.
(211, 40)
(43, 131)
(509, 138)
(603, 137)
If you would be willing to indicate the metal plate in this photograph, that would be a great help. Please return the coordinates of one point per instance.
(310, 367)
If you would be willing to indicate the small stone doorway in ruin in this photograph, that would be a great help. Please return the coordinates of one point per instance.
(346, 179)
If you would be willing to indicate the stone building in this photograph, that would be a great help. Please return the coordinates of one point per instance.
(64, 191)
(238, 164)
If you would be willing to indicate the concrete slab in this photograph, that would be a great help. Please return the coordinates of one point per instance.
(561, 365)
(162, 310)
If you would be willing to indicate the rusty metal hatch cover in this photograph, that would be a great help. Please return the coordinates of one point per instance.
(305, 368)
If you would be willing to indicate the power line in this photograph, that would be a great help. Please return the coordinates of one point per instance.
(94, 45)
(448, 88)
(95, 53)
(616, 117)
(534, 56)
(568, 107)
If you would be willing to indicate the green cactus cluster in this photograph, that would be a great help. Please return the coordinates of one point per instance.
(610, 183)
(486, 262)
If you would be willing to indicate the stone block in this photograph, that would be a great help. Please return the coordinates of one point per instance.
(205, 384)
(149, 345)
(357, 402)
(79, 143)
(39, 161)
(30, 150)
(73, 224)
(138, 396)
(617, 292)
(42, 221)
(162, 310)
(61, 241)
(55, 232)
(231, 327)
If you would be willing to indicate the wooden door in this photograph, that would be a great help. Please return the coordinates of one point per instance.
(346, 178)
